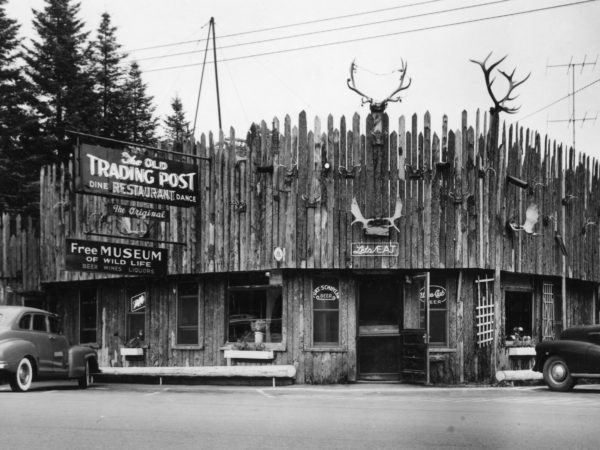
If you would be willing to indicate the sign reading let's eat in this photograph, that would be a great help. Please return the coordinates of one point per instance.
(92, 256)
(135, 176)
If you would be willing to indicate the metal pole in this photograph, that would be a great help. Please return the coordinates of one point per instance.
(212, 24)
(573, 91)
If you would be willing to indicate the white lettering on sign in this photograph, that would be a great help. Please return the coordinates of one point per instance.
(367, 249)
(437, 295)
(326, 292)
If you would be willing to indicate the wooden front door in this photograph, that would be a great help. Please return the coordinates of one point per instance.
(414, 336)
(379, 318)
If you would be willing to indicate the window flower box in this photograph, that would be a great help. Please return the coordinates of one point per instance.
(125, 351)
(521, 351)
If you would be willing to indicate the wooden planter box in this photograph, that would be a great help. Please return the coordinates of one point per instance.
(521, 351)
(131, 351)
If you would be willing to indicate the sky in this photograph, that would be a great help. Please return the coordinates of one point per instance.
(436, 38)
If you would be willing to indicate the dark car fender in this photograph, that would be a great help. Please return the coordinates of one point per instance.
(13, 350)
(573, 352)
(79, 355)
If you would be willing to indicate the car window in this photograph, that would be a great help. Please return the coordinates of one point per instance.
(39, 322)
(54, 323)
(24, 322)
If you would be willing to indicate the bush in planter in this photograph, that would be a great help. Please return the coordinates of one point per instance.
(258, 325)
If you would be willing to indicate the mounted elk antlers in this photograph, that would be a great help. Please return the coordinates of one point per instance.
(376, 226)
(379, 106)
(499, 104)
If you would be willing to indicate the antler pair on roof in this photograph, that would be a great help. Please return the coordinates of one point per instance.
(499, 104)
(380, 106)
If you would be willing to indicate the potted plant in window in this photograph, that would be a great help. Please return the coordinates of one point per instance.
(520, 345)
(258, 326)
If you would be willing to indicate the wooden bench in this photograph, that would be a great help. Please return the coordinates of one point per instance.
(263, 371)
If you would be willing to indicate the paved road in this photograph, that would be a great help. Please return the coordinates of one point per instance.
(124, 416)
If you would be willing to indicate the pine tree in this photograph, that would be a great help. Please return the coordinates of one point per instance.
(59, 66)
(177, 128)
(109, 78)
(140, 125)
(21, 146)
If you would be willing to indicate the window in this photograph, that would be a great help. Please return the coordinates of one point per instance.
(518, 308)
(326, 311)
(25, 322)
(39, 323)
(187, 314)
(438, 312)
(136, 315)
(55, 325)
(88, 316)
(255, 314)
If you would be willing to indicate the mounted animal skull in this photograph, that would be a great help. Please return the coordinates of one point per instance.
(376, 226)
(379, 107)
(531, 219)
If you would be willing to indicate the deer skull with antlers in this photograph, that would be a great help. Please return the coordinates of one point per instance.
(376, 226)
(499, 104)
(379, 107)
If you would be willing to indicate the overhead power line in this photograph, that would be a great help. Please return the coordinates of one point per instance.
(331, 30)
(297, 24)
(414, 30)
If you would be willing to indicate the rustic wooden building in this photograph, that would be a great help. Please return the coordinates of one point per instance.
(370, 251)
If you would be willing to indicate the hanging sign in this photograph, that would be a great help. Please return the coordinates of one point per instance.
(127, 174)
(437, 295)
(138, 212)
(93, 256)
(375, 249)
(138, 302)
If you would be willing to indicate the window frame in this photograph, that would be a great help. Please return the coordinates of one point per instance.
(532, 319)
(129, 293)
(276, 346)
(200, 324)
(95, 290)
(441, 282)
(318, 280)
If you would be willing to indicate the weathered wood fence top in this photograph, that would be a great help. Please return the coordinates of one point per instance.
(288, 187)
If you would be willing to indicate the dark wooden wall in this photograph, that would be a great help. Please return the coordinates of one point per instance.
(274, 189)
(19, 259)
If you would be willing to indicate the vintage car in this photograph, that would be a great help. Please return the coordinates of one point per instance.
(575, 355)
(33, 348)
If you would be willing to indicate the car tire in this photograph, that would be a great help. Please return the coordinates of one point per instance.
(86, 380)
(21, 380)
(557, 374)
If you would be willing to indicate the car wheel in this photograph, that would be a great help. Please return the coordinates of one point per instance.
(23, 377)
(86, 380)
(557, 375)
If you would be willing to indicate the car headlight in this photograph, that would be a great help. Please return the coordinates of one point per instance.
(3, 364)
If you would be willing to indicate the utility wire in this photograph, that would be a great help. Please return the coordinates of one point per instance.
(347, 41)
(290, 25)
(330, 30)
(201, 80)
(561, 99)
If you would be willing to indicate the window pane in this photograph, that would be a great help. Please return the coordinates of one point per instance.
(255, 314)
(326, 327)
(25, 322)
(187, 314)
(437, 326)
(39, 322)
(88, 315)
(136, 326)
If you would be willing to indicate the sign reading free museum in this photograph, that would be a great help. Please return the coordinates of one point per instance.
(92, 256)
(127, 174)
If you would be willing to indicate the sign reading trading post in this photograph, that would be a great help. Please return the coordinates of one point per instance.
(92, 256)
(126, 174)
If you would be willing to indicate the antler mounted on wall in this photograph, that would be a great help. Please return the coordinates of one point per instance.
(379, 107)
(378, 226)
(500, 104)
